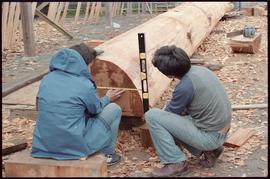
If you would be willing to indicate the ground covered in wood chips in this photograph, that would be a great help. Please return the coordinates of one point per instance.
(245, 79)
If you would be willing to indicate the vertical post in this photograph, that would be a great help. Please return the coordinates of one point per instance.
(77, 15)
(129, 8)
(139, 11)
(109, 13)
(27, 27)
(5, 8)
(143, 7)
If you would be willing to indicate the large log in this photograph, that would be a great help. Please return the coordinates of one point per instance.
(185, 26)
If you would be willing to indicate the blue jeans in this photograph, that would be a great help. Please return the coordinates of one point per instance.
(112, 115)
(167, 129)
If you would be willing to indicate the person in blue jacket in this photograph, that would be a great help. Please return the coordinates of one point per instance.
(73, 121)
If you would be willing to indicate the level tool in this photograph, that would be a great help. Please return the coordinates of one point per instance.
(144, 82)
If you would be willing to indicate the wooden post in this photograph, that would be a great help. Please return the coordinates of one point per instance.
(86, 12)
(109, 13)
(15, 25)
(34, 6)
(10, 22)
(139, 11)
(97, 12)
(58, 13)
(143, 7)
(122, 8)
(64, 13)
(4, 24)
(78, 12)
(27, 26)
(129, 8)
(90, 19)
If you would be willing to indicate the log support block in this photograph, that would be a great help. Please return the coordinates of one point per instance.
(21, 164)
(241, 44)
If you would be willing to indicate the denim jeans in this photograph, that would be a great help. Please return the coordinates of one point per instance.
(112, 115)
(167, 129)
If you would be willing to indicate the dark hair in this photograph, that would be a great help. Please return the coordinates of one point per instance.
(171, 61)
(86, 52)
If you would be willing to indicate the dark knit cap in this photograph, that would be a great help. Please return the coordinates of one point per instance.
(88, 54)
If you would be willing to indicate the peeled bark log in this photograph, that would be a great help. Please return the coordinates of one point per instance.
(185, 26)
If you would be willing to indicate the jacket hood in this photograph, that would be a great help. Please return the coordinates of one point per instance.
(70, 61)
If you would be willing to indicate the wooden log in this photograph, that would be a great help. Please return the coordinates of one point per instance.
(120, 67)
(77, 15)
(22, 164)
(250, 106)
(64, 13)
(241, 44)
(239, 137)
(14, 145)
(5, 6)
(109, 14)
(28, 32)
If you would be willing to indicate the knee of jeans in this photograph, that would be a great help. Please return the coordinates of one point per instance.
(151, 115)
(116, 108)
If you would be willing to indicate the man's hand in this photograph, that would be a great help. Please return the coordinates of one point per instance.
(114, 94)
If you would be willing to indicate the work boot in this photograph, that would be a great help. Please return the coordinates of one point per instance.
(113, 159)
(171, 169)
(210, 157)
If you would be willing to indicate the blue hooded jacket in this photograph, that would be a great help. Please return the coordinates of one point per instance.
(62, 132)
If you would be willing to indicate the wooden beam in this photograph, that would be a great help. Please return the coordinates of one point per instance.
(64, 13)
(122, 8)
(97, 12)
(58, 27)
(129, 8)
(21, 164)
(250, 106)
(239, 137)
(28, 32)
(77, 15)
(143, 7)
(5, 6)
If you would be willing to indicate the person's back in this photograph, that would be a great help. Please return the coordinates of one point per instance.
(210, 107)
(66, 98)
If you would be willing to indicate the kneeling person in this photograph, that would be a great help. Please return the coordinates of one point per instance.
(204, 128)
(73, 120)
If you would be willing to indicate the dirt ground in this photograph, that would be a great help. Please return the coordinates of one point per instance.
(244, 76)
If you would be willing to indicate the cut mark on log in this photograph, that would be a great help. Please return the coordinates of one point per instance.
(239, 137)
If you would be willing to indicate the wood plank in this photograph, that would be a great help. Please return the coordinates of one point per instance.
(28, 32)
(60, 7)
(64, 13)
(56, 26)
(86, 12)
(78, 10)
(13, 145)
(5, 8)
(34, 6)
(109, 14)
(11, 15)
(97, 12)
(50, 15)
(21, 164)
(92, 10)
(122, 8)
(239, 137)
(16, 23)
(250, 106)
